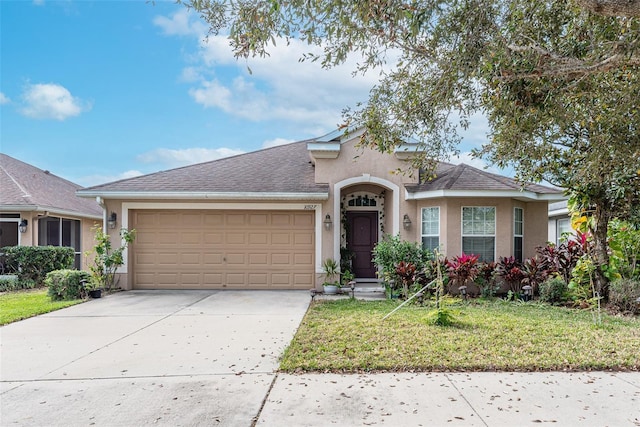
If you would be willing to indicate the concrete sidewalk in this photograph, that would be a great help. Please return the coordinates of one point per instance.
(455, 399)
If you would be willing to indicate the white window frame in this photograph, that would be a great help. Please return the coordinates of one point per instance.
(515, 234)
(495, 223)
(422, 235)
(558, 233)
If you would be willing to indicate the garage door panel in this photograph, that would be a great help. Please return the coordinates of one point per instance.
(212, 259)
(258, 238)
(302, 259)
(261, 219)
(303, 239)
(236, 238)
(281, 238)
(259, 260)
(281, 259)
(223, 249)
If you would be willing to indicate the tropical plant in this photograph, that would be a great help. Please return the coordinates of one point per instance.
(107, 259)
(462, 270)
(624, 241)
(406, 272)
(563, 258)
(534, 273)
(486, 279)
(331, 271)
(511, 272)
(390, 251)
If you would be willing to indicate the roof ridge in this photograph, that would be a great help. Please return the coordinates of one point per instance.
(456, 171)
(44, 171)
(25, 193)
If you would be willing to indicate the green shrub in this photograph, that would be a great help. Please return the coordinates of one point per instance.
(32, 263)
(67, 284)
(623, 295)
(553, 290)
(15, 284)
(390, 251)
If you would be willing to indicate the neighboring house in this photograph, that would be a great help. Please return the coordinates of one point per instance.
(39, 208)
(559, 221)
(267, 219)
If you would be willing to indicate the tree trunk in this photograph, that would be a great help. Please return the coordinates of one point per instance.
(601, 248)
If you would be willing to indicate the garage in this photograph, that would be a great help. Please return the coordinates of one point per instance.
(213, 249)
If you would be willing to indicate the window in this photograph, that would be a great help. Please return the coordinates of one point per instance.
(9, 235)
(518, 233)
(563, 227)
(431, 228)
(479, 232)
(363, 201)
(53, 231)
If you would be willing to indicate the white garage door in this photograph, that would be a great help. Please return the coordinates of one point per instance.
(185, 249)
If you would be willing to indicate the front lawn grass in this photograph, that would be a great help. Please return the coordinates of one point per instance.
(20, 305)
(350, 336)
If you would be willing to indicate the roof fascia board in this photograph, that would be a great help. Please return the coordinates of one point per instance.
(407, 151)
(174, 195)
(559, 212)
(50, 210)
(514, 194)
(324, 150)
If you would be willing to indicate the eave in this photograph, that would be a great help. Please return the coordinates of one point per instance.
(199, 195)
(526, 196)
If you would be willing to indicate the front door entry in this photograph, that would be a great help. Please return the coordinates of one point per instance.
(362, 236)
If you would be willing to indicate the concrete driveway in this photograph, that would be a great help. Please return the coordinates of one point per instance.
(148, 357)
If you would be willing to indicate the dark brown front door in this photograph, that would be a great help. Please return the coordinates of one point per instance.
(362, 236)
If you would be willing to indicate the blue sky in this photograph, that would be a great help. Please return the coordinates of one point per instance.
(104, 90)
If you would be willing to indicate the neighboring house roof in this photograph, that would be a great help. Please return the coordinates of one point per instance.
(456, 179)
(560, 209)
(286, 172)
(24, 187)
(281, 172)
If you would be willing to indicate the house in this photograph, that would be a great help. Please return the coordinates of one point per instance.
(39, 208)
(559, 221)
(267, 219)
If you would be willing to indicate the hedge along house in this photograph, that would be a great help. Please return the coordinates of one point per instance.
(38, 208)
(267, 219)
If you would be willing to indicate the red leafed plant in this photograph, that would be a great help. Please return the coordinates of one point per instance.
(406, 271)
(511, 271)
(463, 269)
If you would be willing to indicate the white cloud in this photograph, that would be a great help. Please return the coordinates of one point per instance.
(91, 180)
(4, 99)
(38, 2)
(174, 158)
(181, 23)
(279, 86)
(51, 101)
(276, 141)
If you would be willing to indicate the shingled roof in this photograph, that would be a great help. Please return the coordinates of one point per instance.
(284, 170)
(24, 187)
(467, 178)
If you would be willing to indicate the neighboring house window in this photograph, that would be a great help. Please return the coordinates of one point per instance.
(9, 235)
(431, 228)
(518, 233)
(563, 227)
(479, 232)
(54, 231)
